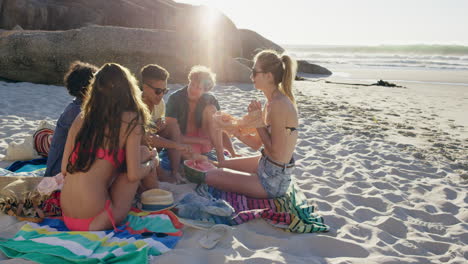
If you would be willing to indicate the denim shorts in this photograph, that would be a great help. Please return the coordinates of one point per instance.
(275, 177)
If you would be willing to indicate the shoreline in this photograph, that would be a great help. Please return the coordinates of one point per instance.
(414, 77)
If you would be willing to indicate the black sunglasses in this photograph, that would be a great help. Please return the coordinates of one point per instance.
(158, 91)
(255, 72)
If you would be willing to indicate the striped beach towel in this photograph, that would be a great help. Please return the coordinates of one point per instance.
(143, 236)
(290, 212)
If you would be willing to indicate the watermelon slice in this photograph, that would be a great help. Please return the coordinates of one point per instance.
(195, 170)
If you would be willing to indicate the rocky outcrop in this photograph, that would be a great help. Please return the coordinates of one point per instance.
(196, 23)
(252, 43)
(132, 32)
(246, 62)
(208, 31)
(43, 56)
(306, 67)
(63, 15)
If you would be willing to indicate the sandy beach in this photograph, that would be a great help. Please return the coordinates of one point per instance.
(387, 168)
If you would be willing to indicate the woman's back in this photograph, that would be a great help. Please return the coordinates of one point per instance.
(97, 193)
(86, 192)
(282, 120)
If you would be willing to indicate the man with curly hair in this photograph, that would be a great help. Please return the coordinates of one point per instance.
(77, 80)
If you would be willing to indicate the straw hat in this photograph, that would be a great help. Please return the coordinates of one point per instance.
(156, 200)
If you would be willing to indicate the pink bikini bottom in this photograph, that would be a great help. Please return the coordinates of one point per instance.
(82, 224)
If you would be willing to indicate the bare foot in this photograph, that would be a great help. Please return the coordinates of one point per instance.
(178, 178)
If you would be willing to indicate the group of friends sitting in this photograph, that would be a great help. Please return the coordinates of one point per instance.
(117, 138)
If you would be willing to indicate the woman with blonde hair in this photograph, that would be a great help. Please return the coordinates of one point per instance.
(266, 175)
(103, 161)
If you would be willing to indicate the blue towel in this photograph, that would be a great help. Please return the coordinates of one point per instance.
(28, 165)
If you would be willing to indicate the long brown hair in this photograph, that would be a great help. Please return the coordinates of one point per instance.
(113, 91)
(283, 68)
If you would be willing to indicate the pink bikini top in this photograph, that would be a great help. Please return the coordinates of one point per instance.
(102, 154)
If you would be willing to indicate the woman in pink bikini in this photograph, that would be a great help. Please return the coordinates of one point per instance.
(104, 162)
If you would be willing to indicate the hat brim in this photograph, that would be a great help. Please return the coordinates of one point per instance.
(157, 197)
(156, 207)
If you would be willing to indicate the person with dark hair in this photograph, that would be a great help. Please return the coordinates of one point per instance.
(267, 175)
(104, 162)
(76, 80)
(166, 134)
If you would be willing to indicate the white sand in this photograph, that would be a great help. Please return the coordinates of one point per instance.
(384, 167)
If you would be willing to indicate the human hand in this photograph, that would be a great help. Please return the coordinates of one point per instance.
(152, 154)
(151, 158)
(254, 106)
(184, 148)
(178, 178)
(150, 139)
(199, 157)
(160, 124)
(156, 160)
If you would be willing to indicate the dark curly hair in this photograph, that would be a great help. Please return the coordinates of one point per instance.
(78, 78)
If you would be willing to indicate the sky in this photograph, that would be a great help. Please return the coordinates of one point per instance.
(350, 22)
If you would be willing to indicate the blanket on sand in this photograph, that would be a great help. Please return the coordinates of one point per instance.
(142, 236)
(290, 212)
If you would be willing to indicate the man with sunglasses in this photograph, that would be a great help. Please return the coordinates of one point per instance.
(192, 107)
(167, 134)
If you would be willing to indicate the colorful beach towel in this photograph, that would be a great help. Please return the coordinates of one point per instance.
(28, 165)
(291, 212)
(143, 236)
(35, 173)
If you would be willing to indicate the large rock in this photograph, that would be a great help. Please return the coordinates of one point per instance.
(44, 56)
(306, 67)
(252, 43)
(205, 27)
(62, 15)
(246, 62)
(209, 32)
(174, 35)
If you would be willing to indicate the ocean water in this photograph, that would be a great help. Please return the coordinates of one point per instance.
(426, 64)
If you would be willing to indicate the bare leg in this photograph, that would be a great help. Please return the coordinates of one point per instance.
(245, 164)
(122, 192)
(172, 132)
(227, 144)
(215, 135)
(236, 181)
